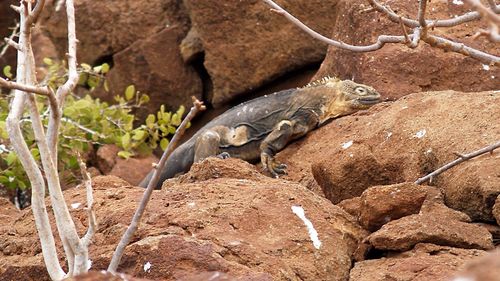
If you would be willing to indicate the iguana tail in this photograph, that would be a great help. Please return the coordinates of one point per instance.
(180, 161)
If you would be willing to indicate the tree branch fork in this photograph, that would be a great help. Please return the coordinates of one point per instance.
(421, 29)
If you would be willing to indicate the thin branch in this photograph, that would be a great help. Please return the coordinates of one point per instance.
(81, 127)
(10, 41)
(462, 158)
(433, 40)
(405, 33)
(35, 13)
(127, 236)
(490, 16)
(471, 16)
(16, 8)
(90, 203)
(43, 91)
(381, 40)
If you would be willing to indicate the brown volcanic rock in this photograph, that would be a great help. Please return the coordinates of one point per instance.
(423, 263)
(404, 233)
(486, 267)
(247, 45)
(107, 27)
(155, 66)
(241, 227)
(397, 70)
(381, 204)
(496, 210)
(402, 141)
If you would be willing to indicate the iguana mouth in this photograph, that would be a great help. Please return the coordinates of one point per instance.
(369, 100)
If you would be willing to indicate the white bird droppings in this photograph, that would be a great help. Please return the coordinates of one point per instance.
(486, 67)
(75, 205)
(147, 267)
(420, 134)
(347, 144)
(313, 234)
(458, 2)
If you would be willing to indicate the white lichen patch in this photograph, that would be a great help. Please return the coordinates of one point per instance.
(191, 204)
(404, 107)
(347, 144)
(147, 267)
(75, 205)
(420, 134)
(313, 234)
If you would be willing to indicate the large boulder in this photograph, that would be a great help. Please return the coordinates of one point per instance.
(247, 45)
(402, 141)
(155, 66)
(104, 28)
(397, 70)
(424, 262)
(223, 216)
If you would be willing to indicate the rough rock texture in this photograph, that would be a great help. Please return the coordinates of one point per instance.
(246, 45)
(381, 204)
(396, 70)
(107, 27)
(496, 210)
(103, 276)
(241, 225)
(154, 65)
(402, 141)
(486, 267)
(423, 263)
(404, 233)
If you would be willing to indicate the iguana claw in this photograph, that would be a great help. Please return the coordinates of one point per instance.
(274, 167)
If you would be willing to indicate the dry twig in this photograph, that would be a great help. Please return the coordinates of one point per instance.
(127, 236)
(420, 32)
(462, 158)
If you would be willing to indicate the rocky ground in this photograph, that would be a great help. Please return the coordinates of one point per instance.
(353, 178)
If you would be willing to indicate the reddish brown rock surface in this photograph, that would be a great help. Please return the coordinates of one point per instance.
(486, 267)
(402, 141)
(242, 226)
(397, 70)
(425, 262)
(155, 67)
(104, 28)
(246, 45)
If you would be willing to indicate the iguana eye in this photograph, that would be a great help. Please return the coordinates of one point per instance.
(360, 91)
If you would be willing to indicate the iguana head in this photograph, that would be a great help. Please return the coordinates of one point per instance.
(342, 97)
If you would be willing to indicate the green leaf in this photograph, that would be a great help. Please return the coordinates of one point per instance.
(81, 104)
(4, 179)
(11, 158)
(93, 81)
(6, 71)
(48, 61)
(164, 143)
(139, 135)
(150, 121)
(104, 68)
(143, 99)
(130, 92)
(125, 140)
(86, 67)
(124, 154)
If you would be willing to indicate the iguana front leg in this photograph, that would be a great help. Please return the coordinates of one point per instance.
(284, 132)
(206, 145)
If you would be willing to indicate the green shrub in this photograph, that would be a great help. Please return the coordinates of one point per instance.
(87, 123)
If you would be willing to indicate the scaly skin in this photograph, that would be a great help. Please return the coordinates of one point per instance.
(261, 127)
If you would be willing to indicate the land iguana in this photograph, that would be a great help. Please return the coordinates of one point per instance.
(259, 128)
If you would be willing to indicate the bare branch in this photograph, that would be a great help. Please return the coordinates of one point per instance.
(381, 41)
(16, 8)
(490, 16)
(10, 41)
(462, 158)
(43, 91)
(434, 41)
(35, 13)
(90, 203)
(127, 236)
(471, 16)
